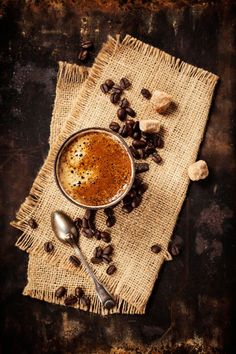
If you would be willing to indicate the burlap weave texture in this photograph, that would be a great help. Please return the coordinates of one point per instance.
(79, 106)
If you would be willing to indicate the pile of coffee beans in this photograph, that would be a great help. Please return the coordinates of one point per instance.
(134, 197)
(71, 299)
(86, 47)
(102, 255)
(87, 226)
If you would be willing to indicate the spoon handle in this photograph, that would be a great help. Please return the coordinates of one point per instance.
(104, 296)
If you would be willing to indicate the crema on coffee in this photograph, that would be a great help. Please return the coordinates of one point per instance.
(94, 168)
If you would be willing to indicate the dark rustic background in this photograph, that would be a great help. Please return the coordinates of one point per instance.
(192, 307)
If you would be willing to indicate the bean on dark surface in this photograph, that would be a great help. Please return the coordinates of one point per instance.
(83, 55)
(111, 269)
(146, 93)
(156, 248)
(70, 300)
(32, 223)
(176, 245)
(60, 292)
(114, 126)
(125, 83)
(48, 247)
(79, 292)
(87, 44)
(75, 261)
(130, 112)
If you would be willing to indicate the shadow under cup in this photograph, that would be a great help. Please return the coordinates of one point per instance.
(94, 168)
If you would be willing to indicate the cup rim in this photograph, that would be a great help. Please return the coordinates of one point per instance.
(66, 143)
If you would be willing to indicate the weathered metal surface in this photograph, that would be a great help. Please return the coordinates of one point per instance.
(191, 307)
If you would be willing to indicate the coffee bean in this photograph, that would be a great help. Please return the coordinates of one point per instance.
(134, 152)
(156, 248)
(137, 144)
(124, 131)
(96, 260)
(136, 202)
(156, 158)
(157, 140)
(109, 83)
(114, 126)
(127, 208)
(142, 188)
(129, 129)
(130, 112)
(104, 88)
(32, 223)
(136, 135)
(124, 103)
(130, 122)
(78, 223)
(127, 200)
(61, 291)
(88, 214)
(75, 261)
(111, 269)
(110, 221)
(141, 167)
(70, 300)
(108, 250)
(83, 55)
(48, 247)
(97, 234)
(85, 223)
(146, 93)
(149, 150)
(85, 301)
(88, 233)
(143, 154)
(117, 88)
(136, 127)
(86, 44)
(176, 245)
(125, 83)
(132, 193)
(109, 212)
(115, 97)
(106, 258)
(106, 237)
(97, 252)
(121, 114)
(79, 292)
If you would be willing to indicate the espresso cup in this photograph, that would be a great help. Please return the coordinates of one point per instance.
(94, 168)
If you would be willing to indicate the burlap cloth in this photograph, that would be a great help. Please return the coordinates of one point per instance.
(79, 106)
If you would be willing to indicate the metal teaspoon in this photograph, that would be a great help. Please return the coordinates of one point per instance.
(66, 232)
